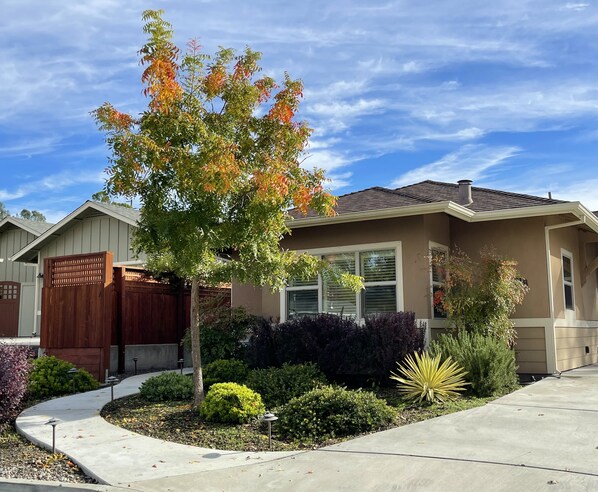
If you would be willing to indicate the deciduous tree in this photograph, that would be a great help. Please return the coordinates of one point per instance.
(215, 161)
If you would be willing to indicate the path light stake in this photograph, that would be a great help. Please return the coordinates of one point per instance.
(135, 362)
(53, 422)
(181, 362)
(269, 417)
(71, 372)
(112, 380)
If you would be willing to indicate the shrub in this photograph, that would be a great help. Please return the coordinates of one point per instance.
(223, 330)
(279, 385)
(259, 351)
(49, 377)
(371, 351)
(489, 363)
(168, 386)
(231, 403)
(224, 371)
(343, 350)
(425, 378)
(14, 369)
(330, 412)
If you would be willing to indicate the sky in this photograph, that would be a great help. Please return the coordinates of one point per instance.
(504, 93)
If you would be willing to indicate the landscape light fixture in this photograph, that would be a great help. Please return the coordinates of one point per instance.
(112, 380)
(269, 417)
(135, 362)
(71, 372)
(53, 422)
(181, 363)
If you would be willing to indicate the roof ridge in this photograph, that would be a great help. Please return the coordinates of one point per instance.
(405, 194)
(492, 190)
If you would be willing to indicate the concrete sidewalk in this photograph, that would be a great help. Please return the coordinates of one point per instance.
(542, 437)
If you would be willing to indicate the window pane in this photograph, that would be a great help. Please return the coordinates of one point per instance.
(337, 299)
(379, 299)
(568, 297)
(298, 282)
(437, 272)
(301, 302)
(567, 269)
(378, 266)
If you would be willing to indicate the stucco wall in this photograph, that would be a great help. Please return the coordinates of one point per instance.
(521, 240)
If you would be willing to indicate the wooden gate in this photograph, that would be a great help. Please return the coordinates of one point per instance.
(76, 317)
(10, 293)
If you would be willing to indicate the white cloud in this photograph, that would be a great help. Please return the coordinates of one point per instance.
(468, 162)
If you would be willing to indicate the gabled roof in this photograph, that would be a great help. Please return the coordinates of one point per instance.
(429, 197)
(88, 209)
(378, 198)
(31, 226)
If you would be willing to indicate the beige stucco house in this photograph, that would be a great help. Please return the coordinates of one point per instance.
(394, 230)
(93, 227)
(17, 279)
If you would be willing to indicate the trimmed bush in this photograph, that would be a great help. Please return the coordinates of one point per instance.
(224, 371)
(489, 363)
(168, 386)
(424, 378)
(259, 351)
(14, 369)
(330, 412)
(231, 403)
(277, 386)
(49, 377)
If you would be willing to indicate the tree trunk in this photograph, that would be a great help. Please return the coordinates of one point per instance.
(198, 394)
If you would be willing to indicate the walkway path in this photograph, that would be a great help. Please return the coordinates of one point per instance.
(542, 437)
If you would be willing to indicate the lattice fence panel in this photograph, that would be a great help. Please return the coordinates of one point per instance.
(75, 270)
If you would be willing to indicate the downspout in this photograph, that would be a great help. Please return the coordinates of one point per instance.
(551, 356)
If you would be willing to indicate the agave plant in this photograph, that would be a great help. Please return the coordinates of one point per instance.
(424, 378)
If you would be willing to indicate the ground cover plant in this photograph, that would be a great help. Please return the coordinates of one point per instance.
(179, 422)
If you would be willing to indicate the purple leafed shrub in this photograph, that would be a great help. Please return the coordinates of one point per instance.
(14, 370)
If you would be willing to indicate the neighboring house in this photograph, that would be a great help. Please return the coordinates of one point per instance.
(91, 228)
(17, 280)
(387, 235)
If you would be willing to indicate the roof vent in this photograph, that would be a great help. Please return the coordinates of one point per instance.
(464, 192)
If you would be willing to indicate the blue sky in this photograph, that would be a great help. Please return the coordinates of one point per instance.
(504, 93)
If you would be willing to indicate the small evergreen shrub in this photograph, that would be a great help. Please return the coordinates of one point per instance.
(422, 377)
(168, 386)
(489, 363)
(231, 403)
(224, 371)
(259, 351)
(14, 369)
(279, 385)
(330, 412)
(49, 377)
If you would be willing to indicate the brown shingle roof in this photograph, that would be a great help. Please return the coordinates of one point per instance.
(378, 198)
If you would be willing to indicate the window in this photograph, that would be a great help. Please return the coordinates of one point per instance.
(437, 276)
(568, 280)
(378, 265)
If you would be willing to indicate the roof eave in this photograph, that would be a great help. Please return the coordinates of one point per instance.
(20, 225)
(448, 207)
(455, 210)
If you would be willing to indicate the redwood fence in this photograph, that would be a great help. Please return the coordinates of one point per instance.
(88, 305)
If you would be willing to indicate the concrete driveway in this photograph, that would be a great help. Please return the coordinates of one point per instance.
(542, 437)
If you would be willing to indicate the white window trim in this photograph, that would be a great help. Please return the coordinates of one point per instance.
(569, 313)
(434, 246)
(357, 248)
